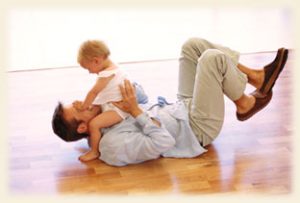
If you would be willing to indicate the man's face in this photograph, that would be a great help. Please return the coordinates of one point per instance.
(70, 113)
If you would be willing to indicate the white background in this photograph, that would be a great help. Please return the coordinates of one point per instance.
(49, 38)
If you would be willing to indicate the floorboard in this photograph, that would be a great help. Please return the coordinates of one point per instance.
(248, 157)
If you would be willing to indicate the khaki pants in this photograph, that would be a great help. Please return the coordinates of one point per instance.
(207, 71)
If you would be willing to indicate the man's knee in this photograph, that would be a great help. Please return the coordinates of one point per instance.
(211, 55)
(212, 61)
(192, 42)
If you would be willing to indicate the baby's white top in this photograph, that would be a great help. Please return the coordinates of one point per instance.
(111, 92)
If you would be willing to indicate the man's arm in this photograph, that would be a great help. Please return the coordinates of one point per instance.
(134, 140)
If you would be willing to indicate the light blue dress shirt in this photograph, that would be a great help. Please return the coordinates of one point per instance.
(136, 140)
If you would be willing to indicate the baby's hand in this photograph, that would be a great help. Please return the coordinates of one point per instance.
(78, 105)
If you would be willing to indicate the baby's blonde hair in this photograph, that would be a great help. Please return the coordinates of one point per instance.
(92, 48)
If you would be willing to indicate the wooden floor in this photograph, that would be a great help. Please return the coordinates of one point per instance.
(248, 157)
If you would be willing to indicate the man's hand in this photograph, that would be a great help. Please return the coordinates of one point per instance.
(129, 103)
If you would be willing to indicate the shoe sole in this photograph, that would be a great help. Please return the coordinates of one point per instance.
(254, 110)
(271, 82)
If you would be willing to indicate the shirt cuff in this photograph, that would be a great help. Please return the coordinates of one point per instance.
(143, 119)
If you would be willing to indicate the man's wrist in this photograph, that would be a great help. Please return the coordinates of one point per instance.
(136, 112)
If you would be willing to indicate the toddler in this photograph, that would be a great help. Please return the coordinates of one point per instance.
(93, 55)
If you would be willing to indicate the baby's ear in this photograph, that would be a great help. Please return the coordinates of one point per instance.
(82, 128)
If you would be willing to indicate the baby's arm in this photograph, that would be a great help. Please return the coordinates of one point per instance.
(92, 94)
(104, 120)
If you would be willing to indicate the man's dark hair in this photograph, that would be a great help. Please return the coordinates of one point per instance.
(64, 129)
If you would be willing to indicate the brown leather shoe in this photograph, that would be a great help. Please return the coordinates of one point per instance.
(261, 100)
(273, 70)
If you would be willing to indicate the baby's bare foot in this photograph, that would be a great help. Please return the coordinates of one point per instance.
(90, 155)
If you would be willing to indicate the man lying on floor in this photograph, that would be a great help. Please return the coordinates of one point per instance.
(207, 71)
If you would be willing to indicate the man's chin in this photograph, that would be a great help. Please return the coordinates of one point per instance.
(91, 113)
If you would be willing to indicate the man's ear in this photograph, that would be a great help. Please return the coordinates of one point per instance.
(82, 128)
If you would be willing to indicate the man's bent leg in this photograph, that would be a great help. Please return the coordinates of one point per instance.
(191, 50)
(216, 75)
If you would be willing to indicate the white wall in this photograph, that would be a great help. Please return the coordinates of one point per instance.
(47, 38)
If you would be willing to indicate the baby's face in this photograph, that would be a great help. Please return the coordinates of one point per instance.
(90, 66)
(94, 65)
